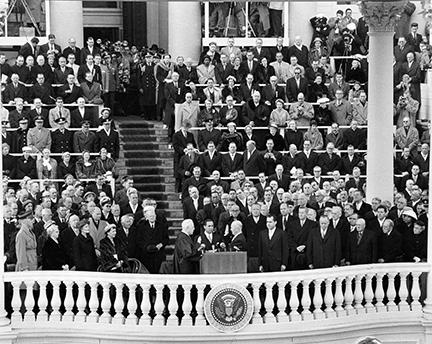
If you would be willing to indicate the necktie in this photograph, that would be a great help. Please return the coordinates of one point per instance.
(323, 233)
(359, 237)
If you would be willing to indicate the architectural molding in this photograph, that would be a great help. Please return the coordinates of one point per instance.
(381, 16)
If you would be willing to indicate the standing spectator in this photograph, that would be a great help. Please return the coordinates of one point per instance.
(91, 90)
(295, 85)
(25, 246)
(174, 93)
(412, 69)
(59, 114)
(53, 254)
(188, 111)
(109, 81)
(90, 49)
(407, 136)
(164, 70)
(30, 48)
(51, 47)
(362, 245)
(84, 252)
(108, 138)
(401, 50)
(147, 87)
(253, 162)
(390, 244)
(72, 49)
(341, 109)
(300, 51)
(61, 138)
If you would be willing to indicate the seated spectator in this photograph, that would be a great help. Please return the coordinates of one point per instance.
(338, 84)
(104, 163)
(53, 254)
(16, 115)
(354, 136)
(41, 89)
(91, 90)
(13, 90)
(70, 92)
(295, 85)
(89, 67)
(113, 255)
(355, 72)
(281, 69)
(318, 90)
(228, 113)
(39, 138)
(313, 71)
(360, 109)
(9, 161)
(264, 71)
(277, 139)
(82, 113)
(407, 136)
(108, 138)
(46, 166)
(355, 91)
(341, 109)
(65, 167)
(406, 107)
(314, 136)
(230, 89)
(71, 64)
(205, 70)
(84, 139)
(292, 135)
(59, 112)
(26, 165)
(212, 92)
(317, 50)
(279, 115)
(62, 71)
(208, 113)
(329, 161)
(105, 114)
(84, 252)
(37, 111)
(208, 134)
(301, 111)
(85, 167)
(231, 136)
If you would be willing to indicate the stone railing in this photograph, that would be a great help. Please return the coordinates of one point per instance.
(53, 298)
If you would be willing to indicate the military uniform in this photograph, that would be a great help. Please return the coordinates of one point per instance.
(61, 142)
(25, 167)
(19, 140)
(147, 83)
(38, 139)
(81, 142)
(110, 141)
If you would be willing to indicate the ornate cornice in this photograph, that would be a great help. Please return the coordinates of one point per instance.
(381, 15)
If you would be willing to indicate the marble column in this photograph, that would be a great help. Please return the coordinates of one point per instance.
(66, 21)
(184, 29)
(380, 17)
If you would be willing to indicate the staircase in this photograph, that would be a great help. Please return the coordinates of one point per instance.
(148, 160)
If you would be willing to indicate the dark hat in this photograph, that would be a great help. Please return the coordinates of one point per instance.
(51, 35)
(39, 119)
(414, 25)
(5, 122)
(313, 122)
(24, 215)
(82, 223)
(35, 40)
(290, 203)
(60, 120)
(85, 122)
(148, 55)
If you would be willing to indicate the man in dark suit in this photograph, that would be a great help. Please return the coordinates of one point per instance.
(411, 67)
(360, 207)
(307, 158)
(272, 248)
(209, 237)
(248, 88)
(349, 161)
(223, 70)
(70, 92)
(390, 244)
(253, 162)
(191, 205)
(401, 50)
(180, 139)
(298, 232)
(232, 161)
(329, 161)
(271, 157)
(42, 90)
(90, 49)
(61, 138)
(413, 38)
(261, 185)
(151, 239)
(295, 85)
(211, 160)
(186, 254)
(299, 50)
(416, 177)
(362, 246)
(82, 114)
(197, 180)
(253, 225)
(238, 241)
(132, 207)
(250, 66)
(25, 165)
(282, 179)
(73, 49)
(62, 71)
(89, 66)
(272, 91)
(208, 134)
(51, 47)
(31, 48)
(175, 93)
(14, 90)
(279, 48)
(323, 248)
(108, 138)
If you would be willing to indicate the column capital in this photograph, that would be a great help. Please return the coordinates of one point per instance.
(381, 15)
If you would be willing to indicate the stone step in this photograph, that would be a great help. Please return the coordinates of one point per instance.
(144, 138)
(173, 208)
(137, 153)
(152, 178)
(125, 132)
(150, 170)
(162, 196)
(143, 146)
(139, 124)
(149, 161)
(146, 187)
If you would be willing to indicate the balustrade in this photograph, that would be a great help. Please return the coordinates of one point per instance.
(130, 300)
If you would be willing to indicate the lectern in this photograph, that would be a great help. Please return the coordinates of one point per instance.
(223, 263)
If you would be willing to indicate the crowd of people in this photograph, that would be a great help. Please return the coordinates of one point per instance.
(299, 209)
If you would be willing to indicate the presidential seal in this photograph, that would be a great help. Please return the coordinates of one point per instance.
(228, 307)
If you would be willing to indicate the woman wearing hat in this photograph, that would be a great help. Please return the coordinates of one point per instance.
(264, 71)
(104, 163)
(106, 205)
(208, 113)
(318, 89)
(314, 136)
(53, 255)
(231, 90)
(355, 72)
(113, 256)
(84, 251)
(85, 167)
(231, 136)
(317, 50)
(104, 115)
(279, 116)
(65, 166)
(25, 246)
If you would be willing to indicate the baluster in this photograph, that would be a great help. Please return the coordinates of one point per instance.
(118, 304)
(145, 308)
(349, 296)
(55, 315)
(256, 319)
(379, 293)
(68, 302)
(268, 304)
(42, 302)
(200, 319)
(339, 298)
(328, 299)
(318, 300)
(187, 306)
(281, 303)
(172, 306)
(93, 303)
(16, 303)
(306, 301)
(415, 292)
(294, 302)
(403, 292)
(26, 300)
(105, 304)
(159, 306)
(368, 294)
(132, 306)
(81, 303)
(30, 315)
(391, 292)
(358, 295)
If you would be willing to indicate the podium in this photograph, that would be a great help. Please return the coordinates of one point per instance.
(223, 263)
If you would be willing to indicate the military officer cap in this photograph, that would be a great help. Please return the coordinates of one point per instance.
(23, 120)
(106, 109)
(148, 55)
(60, 120)
(5, 122)
(85, 123)
(39, 119)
